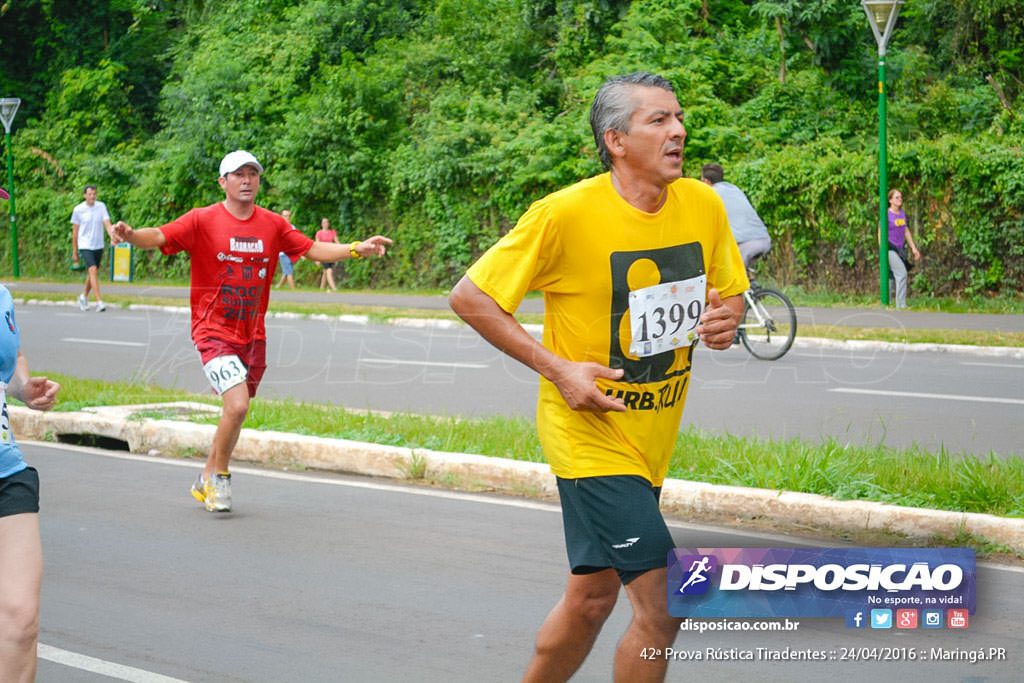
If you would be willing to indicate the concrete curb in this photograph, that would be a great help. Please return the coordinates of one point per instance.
(172, 438)
(822, 512)
(875, 346)
(175, 438)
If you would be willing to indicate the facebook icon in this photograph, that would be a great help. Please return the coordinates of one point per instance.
(856, 619)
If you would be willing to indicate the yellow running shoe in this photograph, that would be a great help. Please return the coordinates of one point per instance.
(218, 493)
(200, 488)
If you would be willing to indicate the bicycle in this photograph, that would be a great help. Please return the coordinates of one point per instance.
(768, 326)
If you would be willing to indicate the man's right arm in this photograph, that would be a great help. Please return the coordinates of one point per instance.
(144, 238)
(74, 242)
(574, 380)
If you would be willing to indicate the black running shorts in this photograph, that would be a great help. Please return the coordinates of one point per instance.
(614, 522)
(19, 492)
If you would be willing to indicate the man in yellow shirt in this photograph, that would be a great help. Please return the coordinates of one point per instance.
(636, 265)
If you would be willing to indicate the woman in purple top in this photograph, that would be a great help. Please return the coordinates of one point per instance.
(899, 238)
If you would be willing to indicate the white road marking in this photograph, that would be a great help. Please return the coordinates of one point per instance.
(109, 342)
(939, 397)
(1018, 366)
(392, 361)
(839, 356)
(102, 666)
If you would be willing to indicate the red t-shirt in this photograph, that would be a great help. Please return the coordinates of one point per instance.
(233, 264)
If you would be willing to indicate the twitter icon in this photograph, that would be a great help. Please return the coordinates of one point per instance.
(881, 618)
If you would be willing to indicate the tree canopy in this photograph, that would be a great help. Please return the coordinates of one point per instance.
(437, 122)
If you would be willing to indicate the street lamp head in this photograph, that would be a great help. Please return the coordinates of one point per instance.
(882, 17)
(8, 108)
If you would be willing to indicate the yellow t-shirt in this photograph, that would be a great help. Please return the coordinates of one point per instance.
(586, 248)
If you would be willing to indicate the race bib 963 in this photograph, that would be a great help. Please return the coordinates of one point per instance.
(225, 372)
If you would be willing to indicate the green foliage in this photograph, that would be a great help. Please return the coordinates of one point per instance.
(41, 40)
(92, 105)
(437, 122)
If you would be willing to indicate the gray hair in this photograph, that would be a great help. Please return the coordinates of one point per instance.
(614, 105)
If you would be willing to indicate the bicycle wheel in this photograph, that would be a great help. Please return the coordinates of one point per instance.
(769, 325)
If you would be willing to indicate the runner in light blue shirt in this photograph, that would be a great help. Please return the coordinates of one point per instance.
(21, 551)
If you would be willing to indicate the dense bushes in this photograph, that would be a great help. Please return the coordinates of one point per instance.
(437, 122)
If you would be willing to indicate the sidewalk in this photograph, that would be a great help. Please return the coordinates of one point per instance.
(170, 438)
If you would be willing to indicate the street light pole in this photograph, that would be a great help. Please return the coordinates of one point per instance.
(882, 17)
(8, 108)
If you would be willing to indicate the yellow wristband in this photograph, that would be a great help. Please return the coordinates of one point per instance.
(352, 250)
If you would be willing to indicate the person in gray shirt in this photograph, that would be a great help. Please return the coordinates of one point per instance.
(748, 229)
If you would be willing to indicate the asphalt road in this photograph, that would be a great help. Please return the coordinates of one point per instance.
(807, 315)
(327, 578)
(959, 402)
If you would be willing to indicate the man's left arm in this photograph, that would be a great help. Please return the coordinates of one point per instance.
(720, 319)
(331, 252)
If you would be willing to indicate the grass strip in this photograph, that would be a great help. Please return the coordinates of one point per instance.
(1009, 302)
(909, 477)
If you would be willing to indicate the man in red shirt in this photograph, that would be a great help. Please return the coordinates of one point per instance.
(233, 246)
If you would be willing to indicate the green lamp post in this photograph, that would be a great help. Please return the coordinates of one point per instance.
(882, 17)
(8, 108)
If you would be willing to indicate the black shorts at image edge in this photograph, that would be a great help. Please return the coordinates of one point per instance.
(19, 493)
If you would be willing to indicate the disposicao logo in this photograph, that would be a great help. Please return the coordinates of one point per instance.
(818, 582)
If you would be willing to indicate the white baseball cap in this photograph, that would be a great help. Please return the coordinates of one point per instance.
(236, 160)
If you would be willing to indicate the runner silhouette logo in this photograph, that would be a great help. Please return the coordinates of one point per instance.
(696, 580)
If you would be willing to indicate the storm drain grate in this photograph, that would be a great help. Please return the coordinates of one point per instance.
(94, 441)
